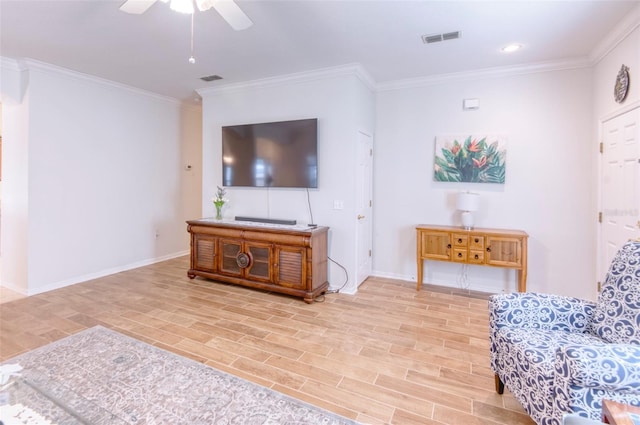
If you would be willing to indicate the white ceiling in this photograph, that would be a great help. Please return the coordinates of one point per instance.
(151, 51)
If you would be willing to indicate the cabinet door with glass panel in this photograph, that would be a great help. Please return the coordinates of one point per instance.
(246, 259)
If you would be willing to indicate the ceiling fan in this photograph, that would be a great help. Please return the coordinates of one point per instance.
(228, 9)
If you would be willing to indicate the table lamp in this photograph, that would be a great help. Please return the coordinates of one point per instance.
(467, 202)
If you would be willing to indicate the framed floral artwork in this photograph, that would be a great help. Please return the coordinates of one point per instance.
(470, 158)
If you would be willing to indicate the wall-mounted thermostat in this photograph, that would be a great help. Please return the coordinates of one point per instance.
(470, 104)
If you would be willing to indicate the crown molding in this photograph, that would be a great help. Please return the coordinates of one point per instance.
(300, 77)
(12, 64)
(14, 80)
(35, 65)
(359, 71)
(622, 30)
(622, 110)
(478, 74)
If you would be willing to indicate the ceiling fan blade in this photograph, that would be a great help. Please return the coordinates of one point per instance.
(232, 13)
(136, 7)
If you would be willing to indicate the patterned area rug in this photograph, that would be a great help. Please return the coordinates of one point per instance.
(104, 377)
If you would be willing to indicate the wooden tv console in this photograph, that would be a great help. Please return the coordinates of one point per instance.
(286, 259)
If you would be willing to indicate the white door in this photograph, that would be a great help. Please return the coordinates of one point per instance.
(364, 207)
(620, 184)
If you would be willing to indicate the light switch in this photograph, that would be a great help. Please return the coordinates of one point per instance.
(338, 205)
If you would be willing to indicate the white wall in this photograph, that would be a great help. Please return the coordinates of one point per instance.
(106, 183)
(343, 105)
(627, 52)
(547, 118)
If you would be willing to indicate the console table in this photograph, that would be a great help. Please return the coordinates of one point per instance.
(482, 247)
(289, 259)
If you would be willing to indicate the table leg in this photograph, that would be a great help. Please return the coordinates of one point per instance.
(522, 280)
(420, 270)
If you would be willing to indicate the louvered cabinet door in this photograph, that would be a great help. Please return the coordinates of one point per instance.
(205, 253)
(290, 267)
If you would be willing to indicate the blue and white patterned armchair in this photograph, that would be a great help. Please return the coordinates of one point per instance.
(562, 355)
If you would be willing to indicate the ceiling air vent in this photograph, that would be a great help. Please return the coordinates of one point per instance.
(451, 35)
(211, 78)
(434, 38)
(427, 39)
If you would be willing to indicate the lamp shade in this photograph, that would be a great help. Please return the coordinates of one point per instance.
(467, 201)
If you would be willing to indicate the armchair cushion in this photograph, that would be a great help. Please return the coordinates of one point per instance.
(529, 311)
(617, 315)
(611, 367)
(586, 375)
(538, 347)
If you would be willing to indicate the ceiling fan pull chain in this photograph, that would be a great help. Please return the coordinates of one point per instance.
(192, 59)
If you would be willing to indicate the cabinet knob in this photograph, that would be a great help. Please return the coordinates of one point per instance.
(243, 260)
(459, 240)
(476, 240)
(488, 249)
(448, 245)
(459, 255)
(476, 256)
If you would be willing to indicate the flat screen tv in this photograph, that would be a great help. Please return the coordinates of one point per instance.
(274, 154)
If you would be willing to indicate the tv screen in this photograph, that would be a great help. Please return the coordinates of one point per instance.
(275, 154)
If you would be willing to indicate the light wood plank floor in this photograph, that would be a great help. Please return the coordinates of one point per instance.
(388, 355)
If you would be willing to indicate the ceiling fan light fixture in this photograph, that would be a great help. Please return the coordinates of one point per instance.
(182, 6)
(204, 5)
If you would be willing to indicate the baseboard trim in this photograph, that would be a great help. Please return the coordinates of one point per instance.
(476, 287)
(106, 272)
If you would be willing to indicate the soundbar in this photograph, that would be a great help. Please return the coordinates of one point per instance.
(266, 220)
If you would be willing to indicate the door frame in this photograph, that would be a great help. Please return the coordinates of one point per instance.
(601, 268)
(369, 228)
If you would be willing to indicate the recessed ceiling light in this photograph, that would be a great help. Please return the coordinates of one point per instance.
(510, 48)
